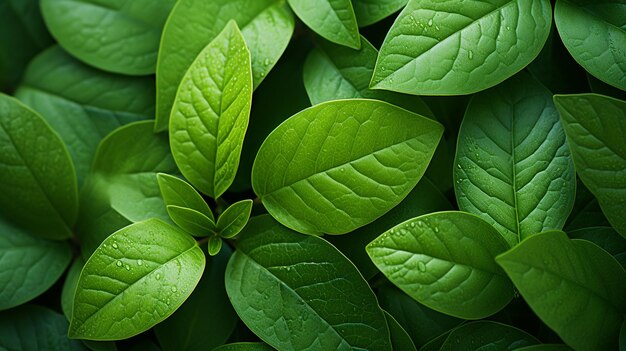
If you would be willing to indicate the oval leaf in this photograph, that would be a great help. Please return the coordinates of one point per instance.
(138, 277)
(177, 192)
(513, 166)
(595, 126)
(575, 287)
(37, 177)
(449, 47)
(487, 335)
(445, 260)
(234, 218)
(341, 164)
(211, 111)
(267, 26)
(369, 12)
(295, 291)
(593, 32)
(605, 237)
(191, 221)
(120, 37)
(332, 19)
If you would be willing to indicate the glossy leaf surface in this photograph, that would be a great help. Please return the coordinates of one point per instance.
(211, 111)
(37, 178)
(177, 192)
(455, 47)
(234, 218)
(297, 292)
(115, 36)
(445, 260)
(575, 287)
(340, 165)
(369, 12)
(266, 25)
(191, 221)
(332, 19)
(513, 166)
(138, 277)
(487, 335)
(595, 126)
(605, 237)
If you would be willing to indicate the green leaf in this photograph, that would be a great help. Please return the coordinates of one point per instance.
(211, 111)
(422, 323)
(121, 37)
(436, 343)
(444, 260)
(449, 47)
(595, 126)
(234, 218)
(30, 265)
(575, 287)
(369, 12)
(599, 87)
(177, 192)
(215, 245)
(586, 212)
(206, 319)
(69, 287)
(333, 72)
(605, 237)
(32, 327)
(244, 346)
(122, 187)
(81, 113)
(138, 277)
(37, 177)
(332, 19)
(487, 335)
(191, 221)
(332, 169)
(545, 347)
(593, 32)
(400, 340)
(296, 291)
(513, 166)
(267, 26)
(423, 199)
(22, 35)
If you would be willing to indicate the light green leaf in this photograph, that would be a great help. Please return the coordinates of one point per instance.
(575, 287)
(605, 237)
(30, 265)
(267, 26)
(211, 111)
(487, 335)
(333, 72)
(191, 221)
(234, 218)
(215, 245)
(341, 164)
(177, 192)
(244, 346)
(400, 340)
(371, 11)
(296, 292)
(122, 187)
(206, 319)
(37, 177)
(55, 84)
(332, 19)
(138, 277)
(116, 36)
(594, 33)
(32, 327)
(595, 126)
(423, 199)
(450, 47)
(445, 260)
(513, 166)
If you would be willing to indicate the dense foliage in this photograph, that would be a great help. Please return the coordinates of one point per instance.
(240, 175)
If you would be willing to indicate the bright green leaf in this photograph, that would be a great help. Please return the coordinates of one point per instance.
(191, 221)
(37, 177)
(575, 287)
(332, 19)
(296, 291)
(215, 245)
(445, 260)
(371, 11)
(267, 26)
(177, 192)
(234, 218)
(487, 335)
(136, 278)
(30, 265)
(116, 36)
(454, 48)
(595, 126)
(341, 164)
(211, 111)
(594, 33)
(513, 166)
(400, 340)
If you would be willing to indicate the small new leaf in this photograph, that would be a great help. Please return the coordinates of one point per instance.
(234, 218)
(215, 245)
(191, 221)
(177, 192)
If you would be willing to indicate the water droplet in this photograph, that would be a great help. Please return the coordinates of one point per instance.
(158, 276)
(412, 224)
(420, 223)
(342, 169)
(430, 22)
(262, 74)
(508, 28)
(437, 28)
(470, 54)
(127, 267)
(115, 245)
(459, 166)
(174, 289)
(167, 301)
(266, 62)
(139, 262)
(436, 229)
(104, 245)
(119, 263)
(421, 266)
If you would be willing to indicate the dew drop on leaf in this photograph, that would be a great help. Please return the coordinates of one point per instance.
(421, 266)
(119, 263)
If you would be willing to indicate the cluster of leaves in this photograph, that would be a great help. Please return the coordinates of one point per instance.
(256, 174)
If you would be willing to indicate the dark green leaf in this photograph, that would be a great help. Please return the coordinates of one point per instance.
(486, 335)
(605, 237)
(400, 340)
(245, 346)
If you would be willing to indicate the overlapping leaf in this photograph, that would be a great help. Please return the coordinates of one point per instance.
(332, 19)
